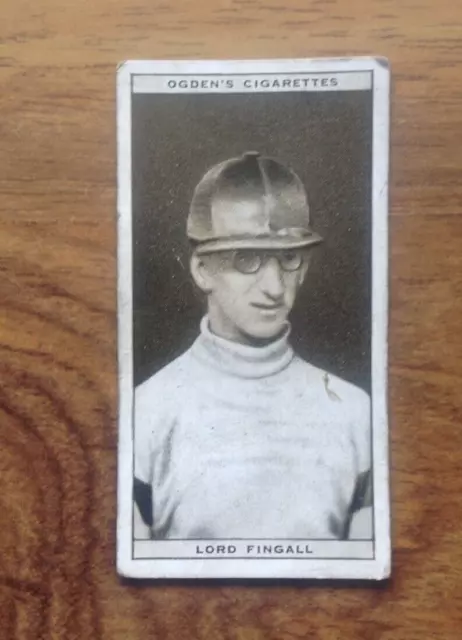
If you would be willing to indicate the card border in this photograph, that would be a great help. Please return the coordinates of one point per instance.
(213, 567)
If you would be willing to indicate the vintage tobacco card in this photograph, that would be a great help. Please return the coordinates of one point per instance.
(252, 319)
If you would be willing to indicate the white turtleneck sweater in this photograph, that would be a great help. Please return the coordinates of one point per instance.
(249, 442)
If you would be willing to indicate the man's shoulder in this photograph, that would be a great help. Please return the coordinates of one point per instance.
(346, 391)
(333, 387)
(168, 379)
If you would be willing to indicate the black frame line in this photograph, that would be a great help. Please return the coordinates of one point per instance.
(307, 540)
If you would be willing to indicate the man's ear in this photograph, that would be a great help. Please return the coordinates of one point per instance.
(304, 269)
(201, 273)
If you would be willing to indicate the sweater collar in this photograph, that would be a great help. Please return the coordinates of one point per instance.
(240, 360)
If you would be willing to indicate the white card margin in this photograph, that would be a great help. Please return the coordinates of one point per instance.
(291, 568)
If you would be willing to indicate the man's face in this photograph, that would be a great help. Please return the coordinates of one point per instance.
(250, 293)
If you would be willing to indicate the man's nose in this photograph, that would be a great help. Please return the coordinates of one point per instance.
(271, 279)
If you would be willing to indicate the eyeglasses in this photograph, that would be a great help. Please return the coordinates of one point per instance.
(248, 262)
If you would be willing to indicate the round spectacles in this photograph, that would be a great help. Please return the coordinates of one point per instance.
(247, 262)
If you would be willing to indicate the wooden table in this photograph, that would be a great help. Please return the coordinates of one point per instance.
(58, 325)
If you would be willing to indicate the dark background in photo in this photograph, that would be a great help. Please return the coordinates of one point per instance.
(326, 138)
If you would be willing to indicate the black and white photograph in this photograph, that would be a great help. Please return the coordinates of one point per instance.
(252, 319)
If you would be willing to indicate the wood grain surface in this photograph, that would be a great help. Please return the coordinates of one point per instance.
(58, 400)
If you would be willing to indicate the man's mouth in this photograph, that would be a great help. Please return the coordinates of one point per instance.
(267, 307)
